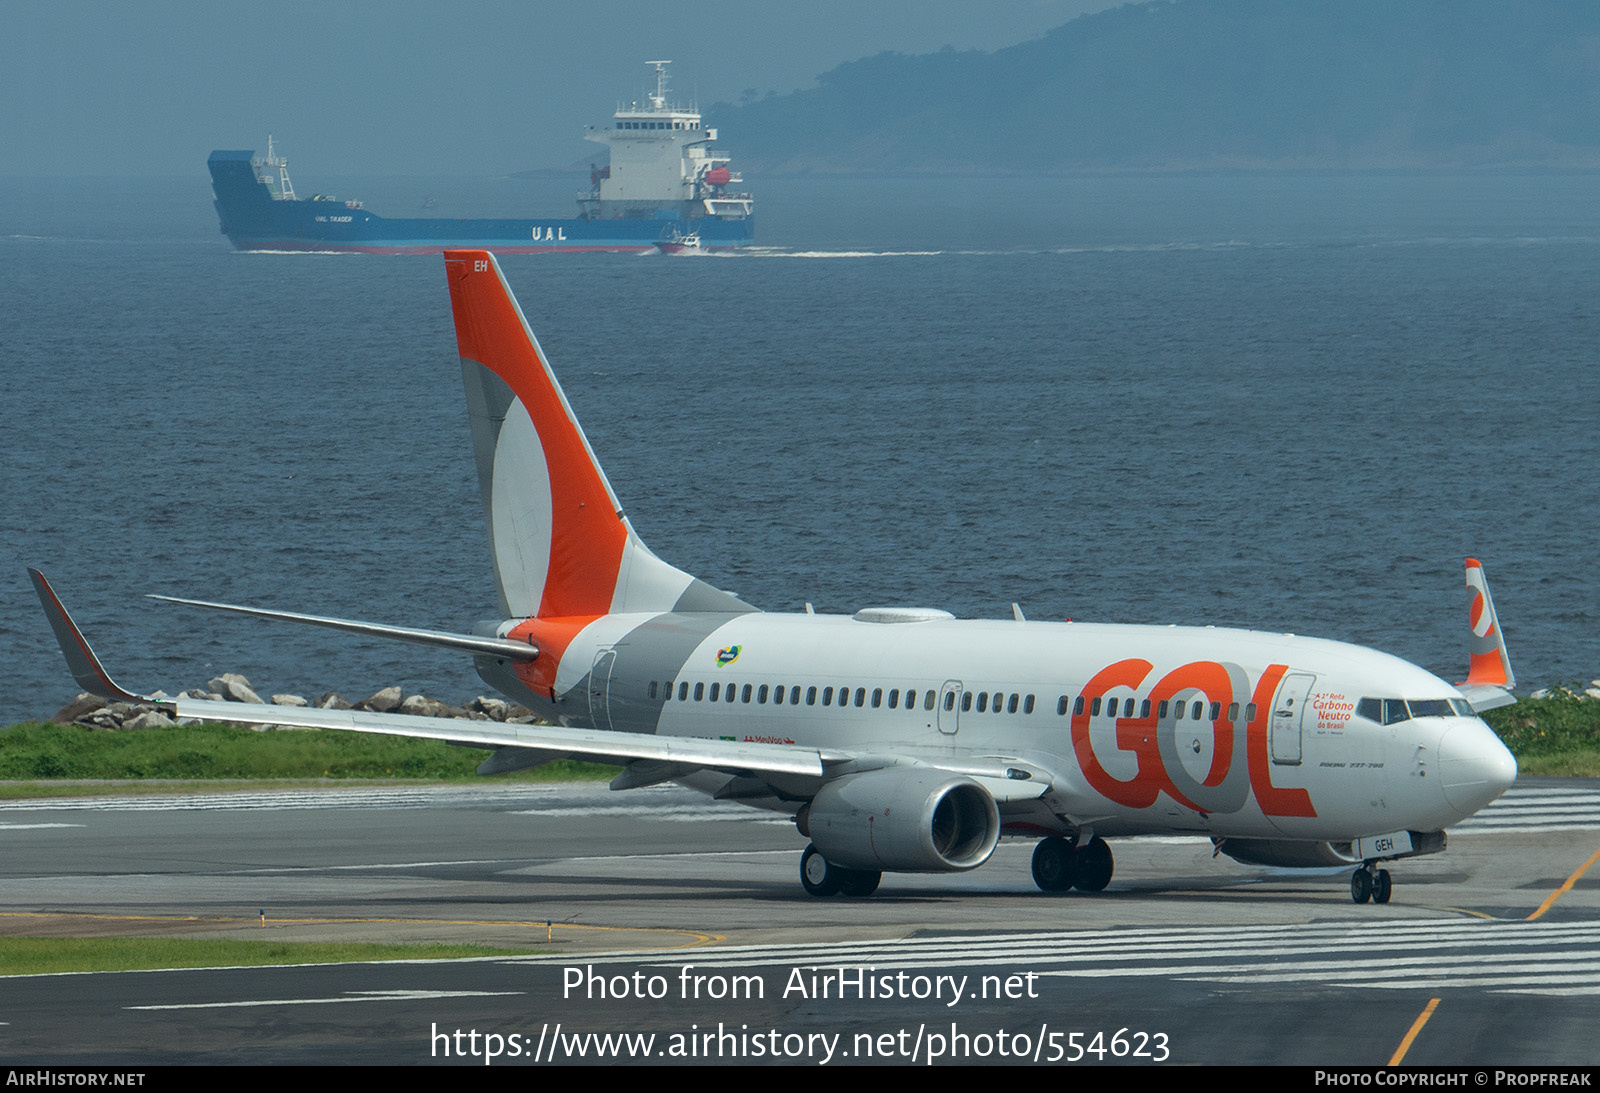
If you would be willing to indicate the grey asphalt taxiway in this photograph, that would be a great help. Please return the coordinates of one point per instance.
(677, 927)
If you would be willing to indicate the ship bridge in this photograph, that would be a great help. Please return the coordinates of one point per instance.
(662, 164)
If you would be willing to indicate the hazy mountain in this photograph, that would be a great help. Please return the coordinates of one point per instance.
(1212, 84)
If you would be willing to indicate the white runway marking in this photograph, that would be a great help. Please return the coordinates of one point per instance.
(350, 996)
(1520, 810)
(1537, 809)
(1507, 957)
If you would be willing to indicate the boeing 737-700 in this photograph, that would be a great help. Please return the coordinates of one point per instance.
(903, 739)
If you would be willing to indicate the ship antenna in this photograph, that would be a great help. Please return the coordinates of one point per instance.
(659, 99)
(285, 187)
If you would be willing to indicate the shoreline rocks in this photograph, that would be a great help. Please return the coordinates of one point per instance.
(94, 712)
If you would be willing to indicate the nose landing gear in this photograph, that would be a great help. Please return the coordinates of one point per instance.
(1368, 882)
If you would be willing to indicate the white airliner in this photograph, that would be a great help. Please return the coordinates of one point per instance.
(904, 739)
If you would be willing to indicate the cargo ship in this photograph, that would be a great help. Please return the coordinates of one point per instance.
(664, 182)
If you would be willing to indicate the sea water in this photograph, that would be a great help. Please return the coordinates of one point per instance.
(1289, 402)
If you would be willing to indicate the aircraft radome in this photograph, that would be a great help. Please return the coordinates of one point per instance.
(901, 738)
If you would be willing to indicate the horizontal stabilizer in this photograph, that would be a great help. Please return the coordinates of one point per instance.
(1485, 696)
(503, 648)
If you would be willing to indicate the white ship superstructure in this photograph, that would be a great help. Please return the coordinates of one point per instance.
(662, 164)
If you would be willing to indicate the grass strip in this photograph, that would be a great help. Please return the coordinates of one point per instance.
(46, 955)
(39, 750)
(1555, 734)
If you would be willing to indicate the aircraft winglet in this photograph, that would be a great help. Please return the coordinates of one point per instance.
(86, 667)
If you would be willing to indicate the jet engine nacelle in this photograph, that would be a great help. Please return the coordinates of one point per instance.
(904, 820)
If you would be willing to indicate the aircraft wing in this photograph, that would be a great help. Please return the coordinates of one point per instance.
(658, 757)
(648, 757)
(599, 745)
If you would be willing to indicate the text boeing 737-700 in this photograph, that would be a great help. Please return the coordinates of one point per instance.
(904, 739)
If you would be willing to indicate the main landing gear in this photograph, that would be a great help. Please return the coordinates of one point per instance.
(1368, 882)
(1058, 865)
(822, 878)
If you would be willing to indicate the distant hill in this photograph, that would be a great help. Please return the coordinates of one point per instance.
(1211, 84)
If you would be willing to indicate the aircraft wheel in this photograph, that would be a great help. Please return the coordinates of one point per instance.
(1383, 887)
(1055, 864)
(1095, 866)
(1361, 885)
(859, 882)
(819, 876)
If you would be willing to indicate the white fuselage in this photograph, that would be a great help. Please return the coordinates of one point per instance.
(1107, 712)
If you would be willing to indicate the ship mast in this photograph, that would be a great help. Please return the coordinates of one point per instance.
(659, 99)
(285, 187)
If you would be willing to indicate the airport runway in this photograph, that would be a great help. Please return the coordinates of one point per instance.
(1185, 959)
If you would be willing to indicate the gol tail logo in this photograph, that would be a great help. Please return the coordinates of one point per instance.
(727, 656)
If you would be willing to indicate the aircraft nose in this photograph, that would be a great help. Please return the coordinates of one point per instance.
(1474, 766)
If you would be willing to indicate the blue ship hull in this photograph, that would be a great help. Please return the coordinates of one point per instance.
(254, 219)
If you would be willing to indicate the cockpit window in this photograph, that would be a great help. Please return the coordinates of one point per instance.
(1390, 711)
(1431, 707)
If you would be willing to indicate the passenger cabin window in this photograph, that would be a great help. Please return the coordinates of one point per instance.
(699, 691)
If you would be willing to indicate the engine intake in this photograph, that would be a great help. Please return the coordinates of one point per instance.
(904, 820)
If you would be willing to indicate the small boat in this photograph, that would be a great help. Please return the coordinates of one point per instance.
(681, 243)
